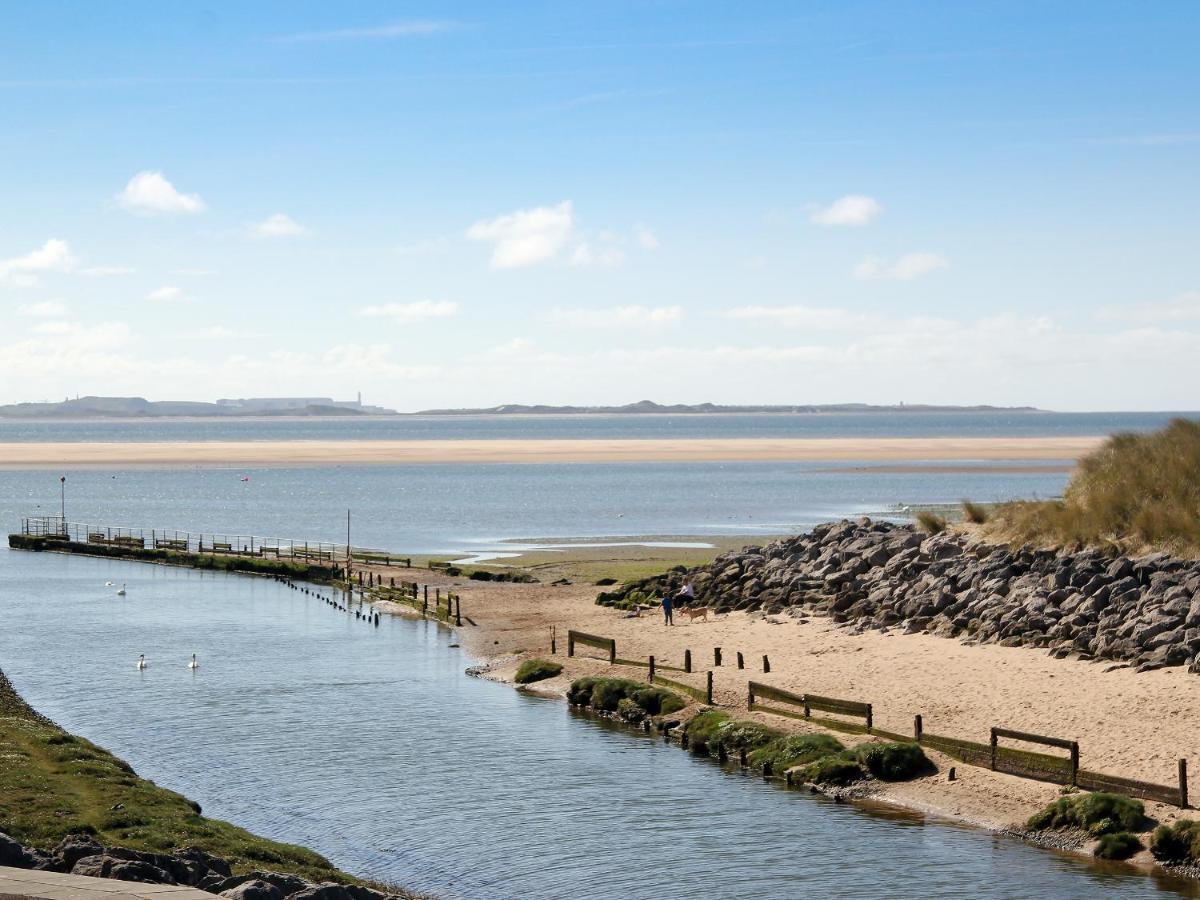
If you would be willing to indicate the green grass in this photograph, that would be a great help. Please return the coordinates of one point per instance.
(536, 670)
(716, 730)
(1137, 491)
(795, 750)
(53, 784)
(891, 761)
(1118, 845)
(608, 693)
(1098, 814)
(1177, 843)
(835, 769)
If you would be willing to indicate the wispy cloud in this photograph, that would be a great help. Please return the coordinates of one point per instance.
(278, 225)
(412, 312)
(149, 193)
(43, 309)
(906, 268)
(168, 293)
(392, 30)
(811, 317)
(107, 271)
(853, 209)
(21, 271)
(1180, 308)
(617, 316)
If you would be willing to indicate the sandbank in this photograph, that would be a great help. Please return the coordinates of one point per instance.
(315, 453)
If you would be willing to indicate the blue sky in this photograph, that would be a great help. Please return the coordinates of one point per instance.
(476, 203)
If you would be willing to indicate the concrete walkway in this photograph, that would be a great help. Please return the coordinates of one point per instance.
(56, 886)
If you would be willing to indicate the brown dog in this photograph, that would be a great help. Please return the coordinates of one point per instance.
(694, 614)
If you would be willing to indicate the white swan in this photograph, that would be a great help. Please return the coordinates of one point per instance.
(108, 584)
(121, 592)
(193, 664)
(141, 663)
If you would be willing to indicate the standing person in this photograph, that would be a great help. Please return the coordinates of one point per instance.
(668, 619)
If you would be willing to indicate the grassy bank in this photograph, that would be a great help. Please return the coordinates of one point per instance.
(53, 784)
(1136, 492)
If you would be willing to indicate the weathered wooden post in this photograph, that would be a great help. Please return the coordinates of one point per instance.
(716, 656)
(553, 645)
(612, 652)
(391, 581)
(918, 728)
(687, 660)
(1074, 760)
(766, 665)
(743, 757)
(457, 610)
(750, 695)
(708, 688)
(570, 644)
(993, 747)
(741, 660)
(652, 670)
(871, 724)
(1183, 787)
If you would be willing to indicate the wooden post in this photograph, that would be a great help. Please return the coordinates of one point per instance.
(716, 656)
(391, 581)
(871, 722)
(722, 753)
(743, 757)
(612, 652)
(708, 688)
(741, 660)
(570, 645)
(750, 695)
(652, 670)
(553, 645)
(1074, 760)
(918, 728)
(687, 660)
(993, 749)
(457, 610)
(807, 710)
(1183, 792)
(766, 664)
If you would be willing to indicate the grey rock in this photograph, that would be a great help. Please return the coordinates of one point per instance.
(254, 889)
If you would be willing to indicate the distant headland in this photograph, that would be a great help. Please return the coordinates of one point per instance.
(644, 407)
(139, 407)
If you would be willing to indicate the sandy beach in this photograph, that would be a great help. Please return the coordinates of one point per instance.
(1129, 724)
(312, 453)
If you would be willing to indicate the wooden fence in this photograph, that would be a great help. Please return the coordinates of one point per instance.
(591, 640)
(807, 703)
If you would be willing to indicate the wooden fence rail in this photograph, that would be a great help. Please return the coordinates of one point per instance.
(592, 640)
(809, 702)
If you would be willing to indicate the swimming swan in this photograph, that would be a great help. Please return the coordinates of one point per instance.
(121, 592)
(193, 664)
(141, 663)
(108, 584)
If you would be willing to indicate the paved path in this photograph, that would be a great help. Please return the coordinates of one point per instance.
(56, 886)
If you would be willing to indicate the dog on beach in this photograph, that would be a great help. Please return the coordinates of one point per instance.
(693, 614)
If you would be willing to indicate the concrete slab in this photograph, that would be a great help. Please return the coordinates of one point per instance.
(57, 886)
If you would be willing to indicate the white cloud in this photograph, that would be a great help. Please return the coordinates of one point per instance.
(278, 225)
(646, 238)
(526, 237)
(853, 209)
(149, 193)
(618, 316)
(43, 309)
(412, 312)
(1180, 308)
(603, 254)
(906, 268)
(811, 317)
(166, 294)
(106, 271)
(412, 28)
(52, 256)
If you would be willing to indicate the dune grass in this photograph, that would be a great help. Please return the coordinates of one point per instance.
(974, 513)
(607, 694)
(1098, 814)
(1137, 491)
(53, 784)
(1177, 843)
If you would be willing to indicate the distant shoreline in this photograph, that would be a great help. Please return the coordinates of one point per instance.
(534, 451)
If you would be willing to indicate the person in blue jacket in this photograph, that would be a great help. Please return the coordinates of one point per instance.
(667, 608)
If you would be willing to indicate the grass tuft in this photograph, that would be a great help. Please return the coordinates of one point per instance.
(1098, 814)
(1118, 845)
(974, 513)
(1177, 843)
(930, 522)
(536, 670)
(795, 750)
(892, 761)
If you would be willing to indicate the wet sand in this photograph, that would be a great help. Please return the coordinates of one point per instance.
(313, 453)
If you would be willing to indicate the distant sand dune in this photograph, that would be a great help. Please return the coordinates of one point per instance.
(312, 453)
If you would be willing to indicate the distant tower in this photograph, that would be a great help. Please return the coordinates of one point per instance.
(360, 399)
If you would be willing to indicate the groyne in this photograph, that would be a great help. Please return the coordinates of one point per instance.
(1142, 611)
